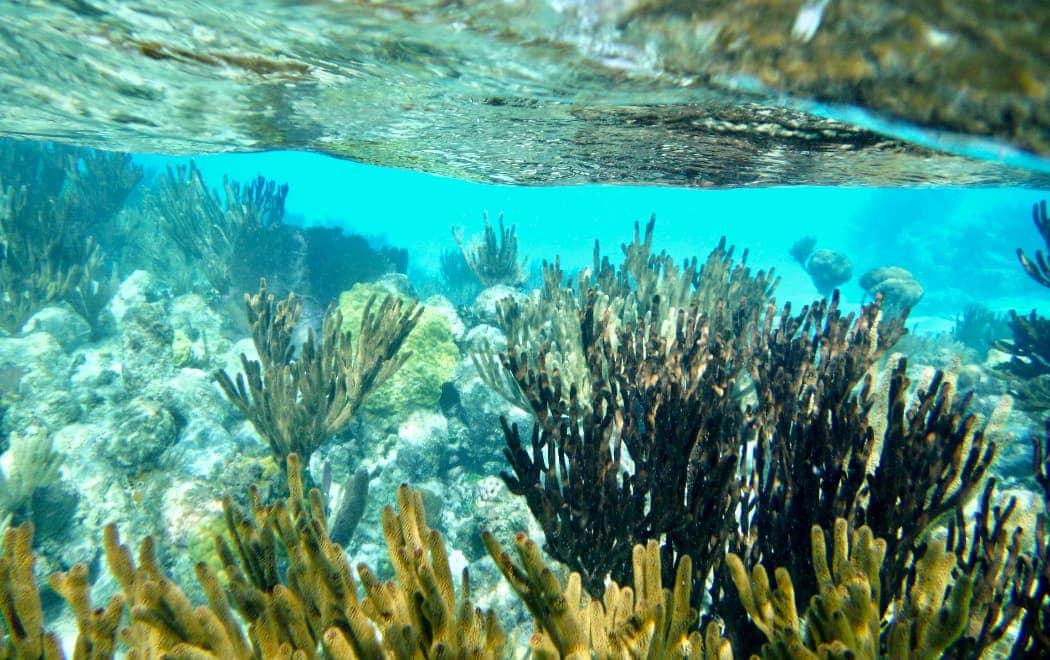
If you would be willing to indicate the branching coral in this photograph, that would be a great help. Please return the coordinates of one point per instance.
(665, 375)
(992, 553)
(53, 202)
(562, 322)
(844, 619)
(233, 242)
(933, 458)
(313, 606)
(1030, 589)
(682, 454)
(648, 621)
(1038, 269)
(1028, 370)
(492, 259)
(721, 420)
(34, 465)
(20, 607)
(978, 327)
(290, 594)
(298, 402)
(458, 282)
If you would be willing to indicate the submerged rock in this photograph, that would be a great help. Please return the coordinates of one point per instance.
(67, 327)
(141, 431)
(422, 448)
(417, 384)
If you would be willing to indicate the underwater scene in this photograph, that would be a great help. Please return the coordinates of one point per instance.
(531, 329)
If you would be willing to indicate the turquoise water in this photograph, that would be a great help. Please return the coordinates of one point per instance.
(958, 242)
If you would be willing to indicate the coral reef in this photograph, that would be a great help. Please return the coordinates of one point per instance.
(54, 203)
(663, 354)
(335, 261)
(227, 243)
(1031, 588)
(648, 621)
(678, 413)
(978, 328)
(492, 259)
(458, 281)
(844, 619)
(298, 402)
(1028, 370)
(292, 587)
(310, 608)
(961, 595)
(231, 243)
(716, 419)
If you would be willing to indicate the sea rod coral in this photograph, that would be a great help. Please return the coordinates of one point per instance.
(719, 420)
(296, 403)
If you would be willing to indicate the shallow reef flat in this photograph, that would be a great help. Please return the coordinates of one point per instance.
(699, 94)
(321, 452)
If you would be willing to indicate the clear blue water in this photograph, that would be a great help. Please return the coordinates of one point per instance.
(958, 242)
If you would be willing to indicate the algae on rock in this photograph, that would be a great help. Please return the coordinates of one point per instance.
(435, 356)
(298, 402)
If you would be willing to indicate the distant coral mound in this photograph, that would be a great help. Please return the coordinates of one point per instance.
(898, 287)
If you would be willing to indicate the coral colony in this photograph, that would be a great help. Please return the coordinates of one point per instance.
(714, 475)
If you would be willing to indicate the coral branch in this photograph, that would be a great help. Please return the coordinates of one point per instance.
(1038, 269)
(298, 404)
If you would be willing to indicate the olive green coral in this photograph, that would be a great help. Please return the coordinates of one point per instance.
(297, 404)
(20, 607)
(844, 618)
(646, 621)
(289, 584)
(316, 603)
(435, 356)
